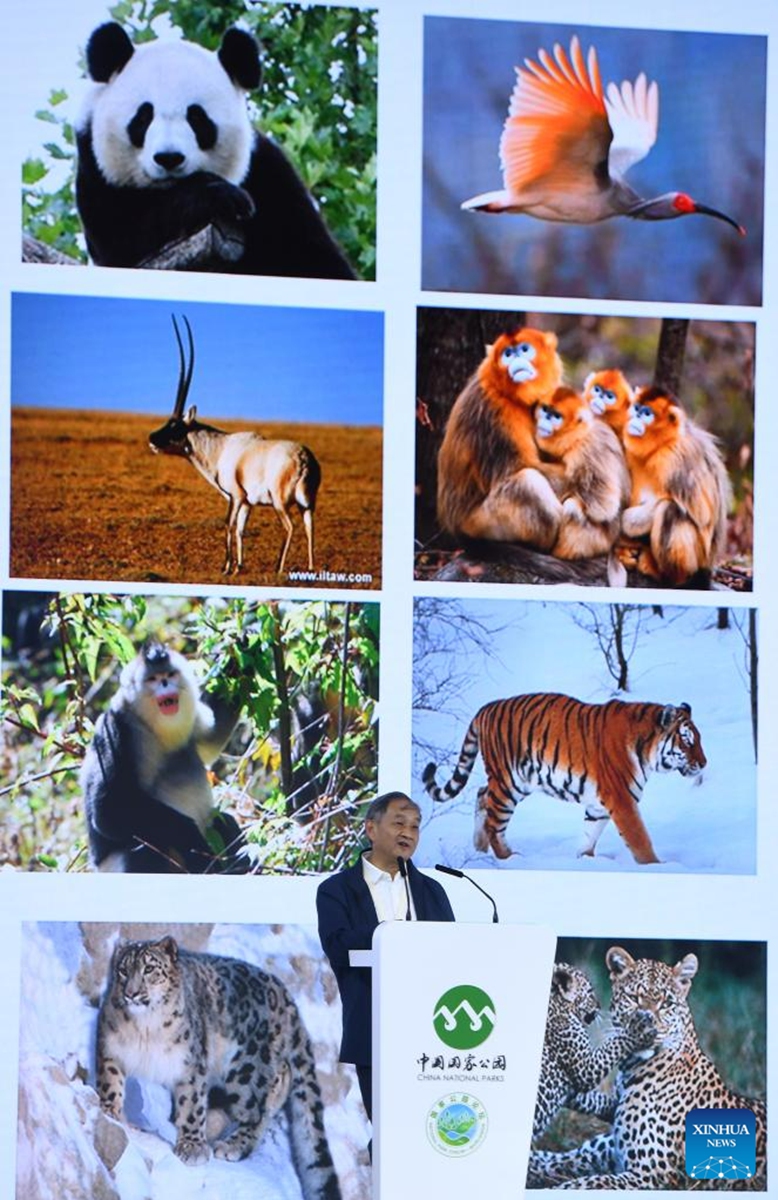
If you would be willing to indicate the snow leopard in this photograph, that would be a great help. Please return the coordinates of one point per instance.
(227, 1039)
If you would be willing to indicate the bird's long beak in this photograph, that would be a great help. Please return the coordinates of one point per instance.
(714, 212)
(677, 204)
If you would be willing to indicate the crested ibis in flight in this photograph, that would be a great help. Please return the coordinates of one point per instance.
(566, 146)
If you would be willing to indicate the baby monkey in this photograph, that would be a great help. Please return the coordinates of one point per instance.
(609, 394)
(595, 486)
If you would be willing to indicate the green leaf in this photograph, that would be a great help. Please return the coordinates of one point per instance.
(33, 170)
(120, 645)
(28, 716)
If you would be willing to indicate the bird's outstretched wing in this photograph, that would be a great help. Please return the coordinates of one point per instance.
(557, 133)
(633, 112)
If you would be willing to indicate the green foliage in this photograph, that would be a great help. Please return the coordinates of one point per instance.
(267, 660)
(49, 212)
(317, 100)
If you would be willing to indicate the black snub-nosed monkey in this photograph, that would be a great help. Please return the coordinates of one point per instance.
(149, 804)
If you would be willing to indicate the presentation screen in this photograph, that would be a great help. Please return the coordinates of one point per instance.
(385, 409)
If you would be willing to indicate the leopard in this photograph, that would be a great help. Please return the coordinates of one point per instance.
(654, 1090)
(227, 1040)
(571, 1065)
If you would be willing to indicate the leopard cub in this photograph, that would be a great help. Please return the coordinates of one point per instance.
(571, 1065)
(227, 1040)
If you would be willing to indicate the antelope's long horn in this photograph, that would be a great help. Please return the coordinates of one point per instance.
(184, 374)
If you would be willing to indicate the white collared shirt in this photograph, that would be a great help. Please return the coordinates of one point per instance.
(389, 895)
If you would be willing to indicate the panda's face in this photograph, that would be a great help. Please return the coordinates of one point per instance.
(171, 110)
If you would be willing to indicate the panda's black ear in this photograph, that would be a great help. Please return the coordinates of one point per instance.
(239, 55)
(108, 50)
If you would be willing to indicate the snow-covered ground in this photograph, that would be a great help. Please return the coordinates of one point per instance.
(60, 975)
(701, 826)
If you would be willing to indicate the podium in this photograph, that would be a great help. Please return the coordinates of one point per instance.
(459, 1014)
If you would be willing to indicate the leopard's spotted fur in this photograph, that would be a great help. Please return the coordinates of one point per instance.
(223, 1036)
(655, 1089)
(571, 1065)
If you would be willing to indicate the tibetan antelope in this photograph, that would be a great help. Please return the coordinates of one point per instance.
(245, 467)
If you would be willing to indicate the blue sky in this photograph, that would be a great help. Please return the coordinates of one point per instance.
(263, 363)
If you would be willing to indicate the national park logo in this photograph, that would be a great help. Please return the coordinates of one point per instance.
(464, 1017)
(457, 1124)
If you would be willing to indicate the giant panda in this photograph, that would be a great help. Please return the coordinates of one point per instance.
(165, 148)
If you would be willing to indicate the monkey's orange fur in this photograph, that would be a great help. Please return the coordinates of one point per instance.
(680, 492)
(596, 481)
(491, 481)
(616, 411)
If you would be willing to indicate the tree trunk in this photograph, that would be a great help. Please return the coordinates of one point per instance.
(209, 249)
(284, 714)
(670, 354)
(450, 345)
(753, 666)
(618, 616)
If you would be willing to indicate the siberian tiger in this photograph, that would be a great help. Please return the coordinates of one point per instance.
(598, 755)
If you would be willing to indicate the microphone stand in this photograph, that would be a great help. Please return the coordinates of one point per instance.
(403, 869)
(461, 875)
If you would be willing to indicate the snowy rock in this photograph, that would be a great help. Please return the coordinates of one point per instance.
(67, 1146)
(110, 1140)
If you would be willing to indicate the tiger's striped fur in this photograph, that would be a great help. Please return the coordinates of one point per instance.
(598, 755)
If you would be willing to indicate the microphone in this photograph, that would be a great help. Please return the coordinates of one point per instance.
(403, 869)
(461, 875)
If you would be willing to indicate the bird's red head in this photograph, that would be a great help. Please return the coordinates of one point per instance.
(683, 203)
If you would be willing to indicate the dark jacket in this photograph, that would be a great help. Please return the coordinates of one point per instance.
(347, 919)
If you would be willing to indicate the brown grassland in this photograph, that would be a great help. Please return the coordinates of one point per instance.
(89, 501)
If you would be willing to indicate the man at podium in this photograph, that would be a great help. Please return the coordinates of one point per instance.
(383, 885)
